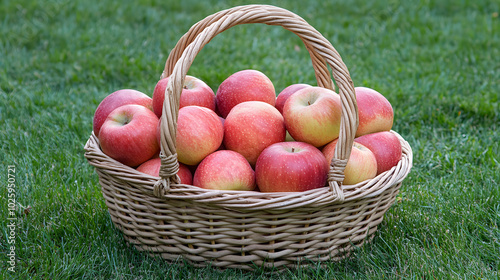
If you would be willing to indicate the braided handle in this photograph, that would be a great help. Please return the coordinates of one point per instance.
(321, 52)
(319, 65)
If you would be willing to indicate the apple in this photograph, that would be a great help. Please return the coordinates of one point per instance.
(374, 110)
(158, 134)
(185, 174)
(129, 134)
(385, 146)
(152, 167)
(159, 96)
(287, 92)
(195, 92)
(251, 127)
(312, 115)
(291, 167)
(115, 100)
(361, 166)
(199, 133)
(245, 85)
(225, 170)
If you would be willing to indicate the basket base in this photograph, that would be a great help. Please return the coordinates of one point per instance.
(274, 240)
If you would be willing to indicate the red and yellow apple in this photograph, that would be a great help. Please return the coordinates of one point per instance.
(312, 115)
(374, 110)
(185, 174)
(195, 92)
(152, 167)
(225, 170)
(199, 133)
(245, 85)
(361, 165)
(115, 100)
(251, 127)
(291, 167)
(128, 134)
(286, 93)
(386, 147)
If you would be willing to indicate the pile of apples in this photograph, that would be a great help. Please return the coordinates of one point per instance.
(245, 138)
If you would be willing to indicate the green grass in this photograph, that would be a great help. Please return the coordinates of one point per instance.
(436, 61)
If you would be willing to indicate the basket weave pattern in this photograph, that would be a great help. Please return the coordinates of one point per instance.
(247, 229)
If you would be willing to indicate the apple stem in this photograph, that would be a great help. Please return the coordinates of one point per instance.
(293, 150)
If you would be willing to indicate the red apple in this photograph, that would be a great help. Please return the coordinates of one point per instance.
(199, 133)
(312, 115)
(375, 111)
(115, 100)
(287, 92)
(129, 134)
(251, 127)
(159, 96)
(225, 170)
(185, 174)
(386, 148)
(245, 85)
(291, 167)
(195, 92)
(158, 133)
(361, 166)
(152, 167)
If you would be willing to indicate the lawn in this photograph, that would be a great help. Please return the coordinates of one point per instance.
(436, 61)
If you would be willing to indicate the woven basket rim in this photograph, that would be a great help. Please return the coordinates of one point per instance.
(252, 200)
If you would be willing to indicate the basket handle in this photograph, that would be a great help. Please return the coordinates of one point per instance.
(321, 51)
(319, 64)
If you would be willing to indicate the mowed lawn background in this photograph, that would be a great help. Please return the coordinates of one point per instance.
(438, 63)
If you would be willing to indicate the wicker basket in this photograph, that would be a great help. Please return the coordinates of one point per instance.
(240, 229)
